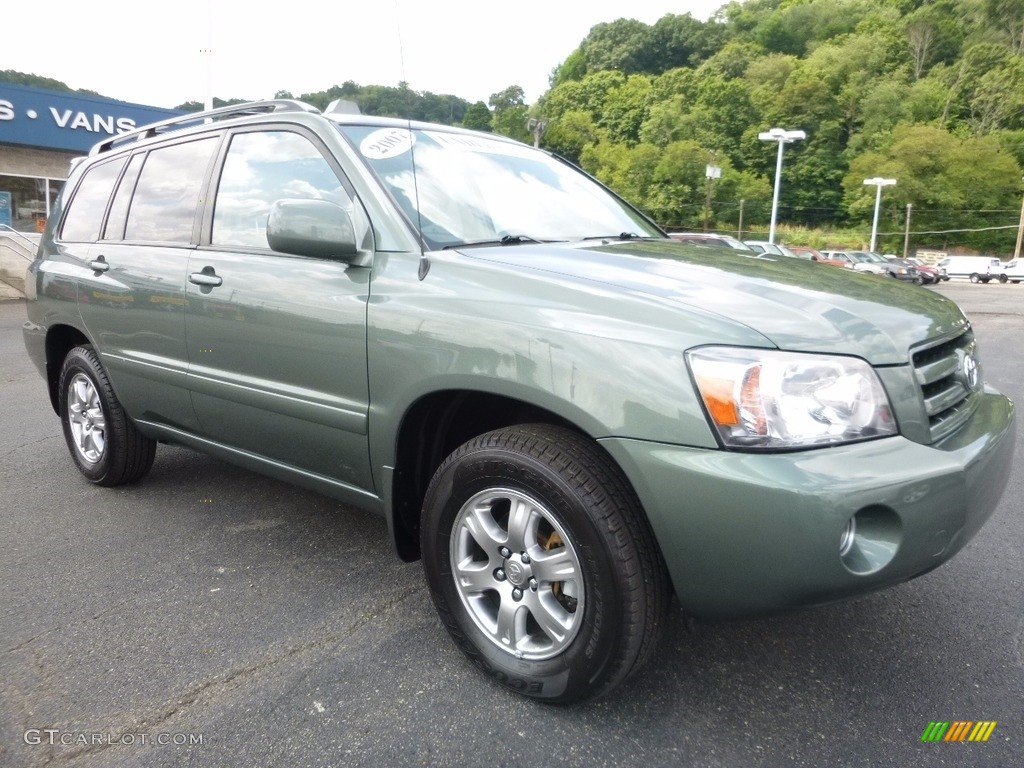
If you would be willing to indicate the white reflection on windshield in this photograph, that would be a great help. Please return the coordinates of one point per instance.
(474, 188)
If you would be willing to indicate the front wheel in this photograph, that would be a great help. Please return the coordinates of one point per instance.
(975, 277)
(105, 444)
(541, 563)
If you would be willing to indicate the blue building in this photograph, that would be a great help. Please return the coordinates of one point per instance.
(41, 131)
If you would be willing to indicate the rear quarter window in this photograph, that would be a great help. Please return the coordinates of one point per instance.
(89, 203)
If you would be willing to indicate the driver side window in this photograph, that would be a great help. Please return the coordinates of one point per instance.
(261, 168)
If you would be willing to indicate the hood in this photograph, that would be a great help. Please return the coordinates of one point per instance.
(796, 304)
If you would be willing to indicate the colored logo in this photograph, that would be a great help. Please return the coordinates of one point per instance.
(959, 730)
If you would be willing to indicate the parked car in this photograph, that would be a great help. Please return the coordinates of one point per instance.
(856, 260)
(806, 252)
(901, 269)
(929, 274)
(897, 268)
(714, 239)
(565, 413)
(977, 269)
(834, 259)
(772, 249)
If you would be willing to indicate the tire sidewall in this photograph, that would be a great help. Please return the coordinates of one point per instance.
(570, 674)
(79, 361)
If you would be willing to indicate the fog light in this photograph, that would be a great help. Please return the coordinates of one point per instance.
(870, 540)
(849, 534)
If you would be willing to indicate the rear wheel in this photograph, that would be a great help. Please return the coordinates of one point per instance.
(105, 444)
(975, 277)
(541, 563)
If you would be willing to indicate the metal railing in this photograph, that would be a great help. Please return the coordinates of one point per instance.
(15, 246)
(17, 252)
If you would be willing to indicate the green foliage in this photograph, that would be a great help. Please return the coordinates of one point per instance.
(34, 81)
(477, 117)
(901, 88)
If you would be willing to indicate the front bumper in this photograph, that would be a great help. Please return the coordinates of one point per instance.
(745, 534)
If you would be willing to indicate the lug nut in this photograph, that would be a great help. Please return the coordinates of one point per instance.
(517, 594)
(499, 574)
(505, 552)
(533, 584)
(525, 558)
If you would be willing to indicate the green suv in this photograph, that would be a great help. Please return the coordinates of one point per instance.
(564, 413)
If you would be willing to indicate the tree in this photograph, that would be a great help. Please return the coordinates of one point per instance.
(623, 45)
(477, 117)
(951, 181)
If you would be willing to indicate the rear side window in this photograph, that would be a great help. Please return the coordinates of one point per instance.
(119, 207)
(261, 168)
(85, 213)
(167, 194)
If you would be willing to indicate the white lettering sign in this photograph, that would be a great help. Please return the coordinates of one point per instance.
(93, 123)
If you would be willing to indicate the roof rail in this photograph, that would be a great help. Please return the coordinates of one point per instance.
(195, 118)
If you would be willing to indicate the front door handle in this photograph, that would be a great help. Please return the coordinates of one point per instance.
(209, 279)
(99, 264)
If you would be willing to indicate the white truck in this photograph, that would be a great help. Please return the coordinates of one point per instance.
(978, 269)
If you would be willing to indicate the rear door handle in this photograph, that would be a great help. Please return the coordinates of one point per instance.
(205, 278)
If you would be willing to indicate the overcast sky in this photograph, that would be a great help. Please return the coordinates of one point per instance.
(153, 54)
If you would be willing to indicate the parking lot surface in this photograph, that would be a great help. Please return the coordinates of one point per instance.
(212, 617)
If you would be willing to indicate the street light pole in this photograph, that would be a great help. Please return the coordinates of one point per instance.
(879, 183)
(782, 136)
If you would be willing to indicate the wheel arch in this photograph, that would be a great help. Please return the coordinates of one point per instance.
(60, 339)
(431, 429)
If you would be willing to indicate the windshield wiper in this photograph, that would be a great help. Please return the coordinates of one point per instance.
(506, 240)
(620, 236)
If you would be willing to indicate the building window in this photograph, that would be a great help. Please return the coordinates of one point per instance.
(28, 201)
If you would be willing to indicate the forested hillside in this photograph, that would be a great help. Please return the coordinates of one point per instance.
(928, 93)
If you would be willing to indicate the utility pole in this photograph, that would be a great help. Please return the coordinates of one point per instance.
(1020, 232)
(906, 233)
(739, 227)
(711, 172)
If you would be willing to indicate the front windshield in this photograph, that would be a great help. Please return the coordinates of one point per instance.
(469, 188)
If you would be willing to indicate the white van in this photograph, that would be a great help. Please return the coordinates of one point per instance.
(979, 269)
(1010, 271)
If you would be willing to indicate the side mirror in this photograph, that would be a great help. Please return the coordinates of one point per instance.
(316, 228)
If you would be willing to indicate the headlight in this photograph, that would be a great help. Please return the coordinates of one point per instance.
(762, 399)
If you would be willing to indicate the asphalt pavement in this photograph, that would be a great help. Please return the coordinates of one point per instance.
(212, 617)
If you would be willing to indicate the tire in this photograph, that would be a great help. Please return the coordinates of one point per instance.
(918, 280)
(105, 444)
(1002, 278)
(559, 627)
(975, 277)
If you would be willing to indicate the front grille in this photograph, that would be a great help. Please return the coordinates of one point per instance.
(949, 376)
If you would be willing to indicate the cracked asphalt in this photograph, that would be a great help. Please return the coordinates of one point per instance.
(212, 617)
